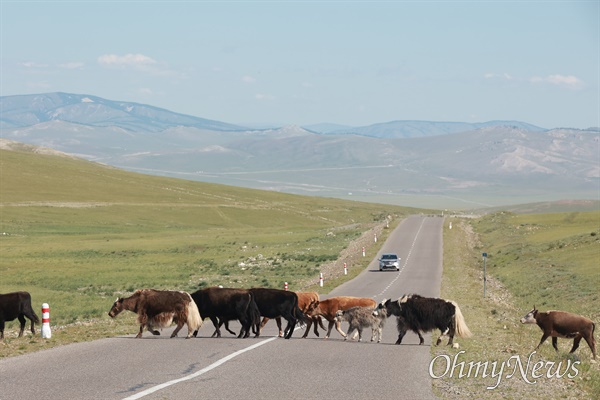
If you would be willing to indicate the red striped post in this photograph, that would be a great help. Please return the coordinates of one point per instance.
(46, 332)
(345, 269)
(285, 286)
(321, 279)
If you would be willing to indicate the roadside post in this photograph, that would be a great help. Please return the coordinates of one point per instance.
(46, 332)
(321, 279)
(484, 272)
(345, 269)
(285, 286)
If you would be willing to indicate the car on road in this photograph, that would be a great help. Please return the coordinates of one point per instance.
(389, 261)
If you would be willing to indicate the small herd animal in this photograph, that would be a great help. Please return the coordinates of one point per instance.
(160, 308)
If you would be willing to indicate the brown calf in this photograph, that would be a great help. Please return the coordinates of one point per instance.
(328, 309)
(564, 325)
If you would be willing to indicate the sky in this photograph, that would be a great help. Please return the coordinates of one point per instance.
(352, 63)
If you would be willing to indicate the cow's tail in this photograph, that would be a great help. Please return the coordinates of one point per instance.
(253, 314)
(28, 310)
(300, 316)
(194, 321)
(31, 314)
(461, 328)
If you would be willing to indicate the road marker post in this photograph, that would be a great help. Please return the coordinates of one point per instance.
(46, 332)
(321, 279)
(345, 269)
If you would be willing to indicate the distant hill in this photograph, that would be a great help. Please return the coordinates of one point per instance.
(449, 164)
(411, 129)
(28, 110)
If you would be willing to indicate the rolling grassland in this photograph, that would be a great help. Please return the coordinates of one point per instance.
(547, 260)
(77, 234)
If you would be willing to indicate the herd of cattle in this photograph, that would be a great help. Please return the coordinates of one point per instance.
(160, 308)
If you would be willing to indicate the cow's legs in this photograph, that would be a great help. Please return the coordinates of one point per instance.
(329, 328)
(278, 320)
(451, 333)
(592, 343)
(318, 320)
(32, 325)
(555, 343)
(22, 321)
(262, 324)
(290, 327)
(575, 343)
(176, 331)
(338, 327)
(226, 323)
(308, 325)
(544, 337)
(1, 328)
(401, 334)
(139, 335)
(217, 326)
(360, 329)
(350, 330)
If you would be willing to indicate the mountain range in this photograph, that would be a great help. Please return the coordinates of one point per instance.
(418, 163)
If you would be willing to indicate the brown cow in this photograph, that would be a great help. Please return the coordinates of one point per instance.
(564, 325)
(159, 308)
(328, 309)
(307, 301)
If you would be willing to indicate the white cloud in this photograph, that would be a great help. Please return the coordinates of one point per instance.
(492, 75)
(248, 79)
(31, 64)
(139, 63)
(72, 65)
(128, 60)
(262, 96)
(567, 81)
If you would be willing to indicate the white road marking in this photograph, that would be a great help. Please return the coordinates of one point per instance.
(198, 373)
(254, 346)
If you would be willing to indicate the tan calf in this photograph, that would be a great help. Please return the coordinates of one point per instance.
(563, 324)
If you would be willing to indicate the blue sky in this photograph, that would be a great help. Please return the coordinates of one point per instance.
(306, 62)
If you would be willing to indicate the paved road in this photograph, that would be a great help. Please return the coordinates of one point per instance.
(263, 368)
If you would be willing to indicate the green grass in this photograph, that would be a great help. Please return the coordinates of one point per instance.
(76, 235)
(547, 260)
(550, 260)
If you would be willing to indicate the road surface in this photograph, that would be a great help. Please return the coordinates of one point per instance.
(157, 367)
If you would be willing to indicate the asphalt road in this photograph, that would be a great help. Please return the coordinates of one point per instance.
(157, 367)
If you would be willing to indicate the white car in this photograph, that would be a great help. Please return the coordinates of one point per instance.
(389, 261)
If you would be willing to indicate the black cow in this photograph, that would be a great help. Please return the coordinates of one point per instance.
(17, 305)
(226, 304)
(424, 314)
(274, 303)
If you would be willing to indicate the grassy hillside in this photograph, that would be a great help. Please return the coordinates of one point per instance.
(547, 260)
(78, 234)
